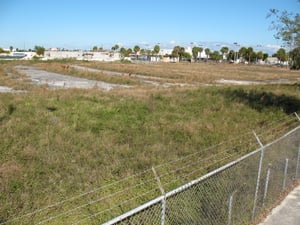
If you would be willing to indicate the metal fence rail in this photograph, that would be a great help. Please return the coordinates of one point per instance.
(229, 183)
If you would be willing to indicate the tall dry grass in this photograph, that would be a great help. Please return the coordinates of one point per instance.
(200, 72)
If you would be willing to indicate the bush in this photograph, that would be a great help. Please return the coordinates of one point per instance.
(295, 59)
(35, 58)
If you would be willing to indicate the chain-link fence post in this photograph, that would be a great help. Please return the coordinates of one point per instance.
(266, 185)
(230, 208)
(163, 201)
(285, 173)
(298, 161)
(258, 174)
(297, 116)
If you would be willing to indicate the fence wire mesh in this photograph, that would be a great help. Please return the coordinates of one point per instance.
(229, 183)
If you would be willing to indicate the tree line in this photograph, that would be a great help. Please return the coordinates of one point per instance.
(244, 54)
(40, 50)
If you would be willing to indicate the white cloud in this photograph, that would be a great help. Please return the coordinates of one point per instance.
(273, 46)
(144, 43)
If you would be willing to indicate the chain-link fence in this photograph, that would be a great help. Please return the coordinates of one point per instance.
(233, 194)
(229, 183)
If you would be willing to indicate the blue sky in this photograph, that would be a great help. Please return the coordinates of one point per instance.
(86, 23)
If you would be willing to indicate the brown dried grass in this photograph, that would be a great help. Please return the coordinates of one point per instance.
(200, 72)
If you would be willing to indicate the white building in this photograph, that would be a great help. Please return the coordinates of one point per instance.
(14, 55)
(82, 55)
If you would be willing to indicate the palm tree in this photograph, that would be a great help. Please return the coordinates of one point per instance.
(181, 53)
(178, 51)
(216, 55)
(142, 51)
(207, 52)
(195, 52)
(200, 50)
(95, 48)
(224, 50)
(231, 55)
(128, 51)
(136, 49)
(123, 52)
(115, 47)
(260, 55)
(156, 50)
(250, 53)
(243, 52)
(175, 52)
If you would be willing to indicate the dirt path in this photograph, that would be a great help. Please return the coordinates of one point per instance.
(108, 72)
(160, 81)
(145, 79)
(250, 82)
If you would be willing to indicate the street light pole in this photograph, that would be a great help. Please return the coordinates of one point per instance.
(259, 48)
(236, 52)
(234, 57)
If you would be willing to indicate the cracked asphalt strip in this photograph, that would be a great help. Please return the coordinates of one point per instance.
(57, 81)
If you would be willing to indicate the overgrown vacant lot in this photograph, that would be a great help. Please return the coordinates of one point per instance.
(55, 144)
(191, 73)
